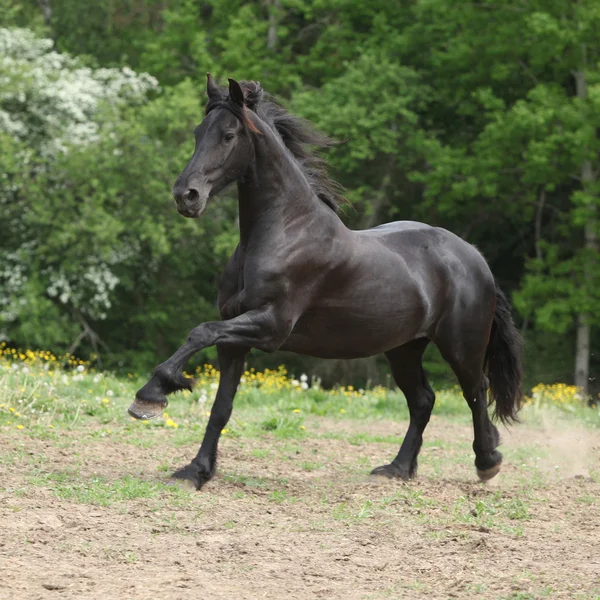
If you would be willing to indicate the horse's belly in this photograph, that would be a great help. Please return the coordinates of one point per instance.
(335, 333)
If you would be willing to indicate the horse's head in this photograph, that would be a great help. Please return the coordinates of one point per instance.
(223, 152)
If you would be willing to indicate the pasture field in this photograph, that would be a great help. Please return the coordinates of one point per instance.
(86, 512)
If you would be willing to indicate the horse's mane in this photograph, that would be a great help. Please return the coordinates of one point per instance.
(297, 134)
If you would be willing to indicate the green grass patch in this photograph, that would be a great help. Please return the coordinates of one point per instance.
(40, 394)
(103, 492)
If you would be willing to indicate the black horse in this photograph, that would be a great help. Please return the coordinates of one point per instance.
(300, 280)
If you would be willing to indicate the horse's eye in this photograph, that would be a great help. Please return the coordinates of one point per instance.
(228, 137)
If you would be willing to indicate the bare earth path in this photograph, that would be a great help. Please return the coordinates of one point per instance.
(85, 516)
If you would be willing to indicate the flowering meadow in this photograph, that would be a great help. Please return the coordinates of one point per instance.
(41, 391)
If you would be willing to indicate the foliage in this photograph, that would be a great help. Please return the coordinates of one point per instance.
(465, 115)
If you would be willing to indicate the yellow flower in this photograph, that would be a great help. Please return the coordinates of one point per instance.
(296, 410)
(171, 423)
(342, 410)
(224, 431)
(105, 400)
(19, 426)
(302, 427)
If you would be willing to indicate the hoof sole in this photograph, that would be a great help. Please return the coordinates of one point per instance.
(146, 410)
(489, 473)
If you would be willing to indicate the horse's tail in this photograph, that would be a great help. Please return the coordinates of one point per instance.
(504, 360)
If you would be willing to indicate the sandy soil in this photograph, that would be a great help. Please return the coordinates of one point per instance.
(300, 519)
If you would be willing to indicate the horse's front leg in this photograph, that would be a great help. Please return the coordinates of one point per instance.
(266, 329)
(202, 468)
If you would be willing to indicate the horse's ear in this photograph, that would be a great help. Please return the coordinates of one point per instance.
(235, 92)
(212, 90)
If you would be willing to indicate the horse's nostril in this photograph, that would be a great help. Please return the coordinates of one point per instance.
(191, 195)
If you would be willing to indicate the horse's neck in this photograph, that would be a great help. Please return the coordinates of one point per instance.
(274, 193)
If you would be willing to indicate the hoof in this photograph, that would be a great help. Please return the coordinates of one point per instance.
(190, 477)
(490, 473)
(391, 472)
(141, 409)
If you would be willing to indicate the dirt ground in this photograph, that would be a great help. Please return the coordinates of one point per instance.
(301, 519)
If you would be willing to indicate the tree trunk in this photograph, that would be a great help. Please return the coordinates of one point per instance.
(274, 7)
(46, 9)
(582, 351)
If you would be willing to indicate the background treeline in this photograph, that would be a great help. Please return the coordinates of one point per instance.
(481, 117)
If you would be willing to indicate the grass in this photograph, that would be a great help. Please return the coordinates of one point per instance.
(273, 418)
(42, 395)
(38, 393)
(103, 492)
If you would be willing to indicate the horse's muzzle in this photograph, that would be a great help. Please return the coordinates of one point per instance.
(190, 203)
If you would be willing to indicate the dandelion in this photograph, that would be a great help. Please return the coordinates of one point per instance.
(295, 383)
(80, 368)
(110, 393)
(171, 423)
(304, 385)
(224, 431)
(105, 400)
(302, 427)
(19, 426)
(304, 377)
(342, 410)
(296, 410)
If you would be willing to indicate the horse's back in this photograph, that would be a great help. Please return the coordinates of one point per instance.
(395, 226)
(452, 274)
(422, 245)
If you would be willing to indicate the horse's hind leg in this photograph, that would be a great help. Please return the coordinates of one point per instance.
(405, 362)
(468, 366)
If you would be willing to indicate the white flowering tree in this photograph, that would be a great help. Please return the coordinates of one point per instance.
(54, 109)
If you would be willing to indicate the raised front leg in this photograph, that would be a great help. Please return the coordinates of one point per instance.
(202, 468)
(266, 329)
